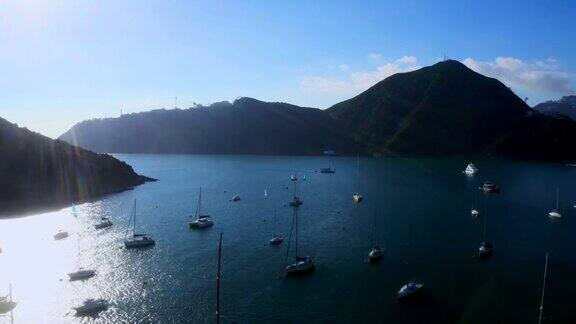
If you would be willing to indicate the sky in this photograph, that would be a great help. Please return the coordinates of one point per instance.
(62, 62)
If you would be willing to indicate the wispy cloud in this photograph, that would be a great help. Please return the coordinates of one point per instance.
(539, 76)
(358, 81)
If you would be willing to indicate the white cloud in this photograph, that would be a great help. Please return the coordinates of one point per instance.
(343, 67)
(357, 81)
(375, 56)
(540, 76)
(407, 60)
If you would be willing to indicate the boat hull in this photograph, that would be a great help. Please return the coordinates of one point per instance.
(139, 244)
(81, 275)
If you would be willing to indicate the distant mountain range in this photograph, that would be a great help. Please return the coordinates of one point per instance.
(36, 171)
(565, 106)
(444, 110)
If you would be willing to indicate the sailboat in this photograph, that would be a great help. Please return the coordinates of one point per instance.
(218, 278)
(81, 273)
(91, 307)
(376, 252)
(470, 169)
(357, 197)
(302, 264)
(543, 290)
(7, 304)
(296, 201)
(137, 240)
(201, 221)
(277, 239)
(409, 290)
(329, 169)
(293, 177)
(555, 214)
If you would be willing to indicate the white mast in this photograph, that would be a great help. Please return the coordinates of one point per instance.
(543, 290)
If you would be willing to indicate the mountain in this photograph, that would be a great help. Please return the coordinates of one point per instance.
(565, 106)
(247, 126)
(36, 171)
(443, 110)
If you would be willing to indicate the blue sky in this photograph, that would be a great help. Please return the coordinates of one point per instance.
(63, 62)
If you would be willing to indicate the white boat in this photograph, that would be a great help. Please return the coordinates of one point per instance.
(470, 169)
(293, 177)
(410, 289)
(61, 235)
(302, 264)
(7, 304)
(277, 239)
(296, 201)
(91, 307)
(555, 214)
(137, 240)
(236, 198)
(81, 274)
(105, 222)
(474, 212)
(201, 221)
(357, 197)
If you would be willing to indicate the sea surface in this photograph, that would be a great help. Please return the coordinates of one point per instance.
(423, 221)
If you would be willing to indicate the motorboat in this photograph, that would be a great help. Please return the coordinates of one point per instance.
(301, 266)
(490, 187)
(409, 290)
(375, 254)
(236, 198)
(81, 274)
(486, 249)
(357, 197)
(293, 177)
(105, 222)
(276, 240)
(60, 235)
(91, 307)
(471, 169)
(474, 212)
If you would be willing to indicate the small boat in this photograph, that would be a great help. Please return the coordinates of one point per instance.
(296, 201)
(293, 177)
(236, 198)
(490, 187)
(327, 170)
(555, 214)
(470, 169)
(201, 221)
(137, 240)
(105, 222)
(81, 274)
(304, 177)
(409, 290)
(357, 197)
(61, 235)
(474, 212)
(485, 250)
(7, 304)
(91, 307)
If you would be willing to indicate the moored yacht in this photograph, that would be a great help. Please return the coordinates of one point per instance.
(201, 221)
(61, 235)
(490, 187)
(236, 198)
(137, 240)
(81, 274)
(293, 177)
(91, 307)
(486, 249)
(296, 201)
(470, 169)
(375, 254)
(276, 240)
(301, 266)
(357, 197)
(409, 290)
(105, 222)
(474, 212)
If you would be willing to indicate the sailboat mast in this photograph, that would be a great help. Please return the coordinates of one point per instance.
(543, 290)
(296, 224)
(373, 228)
(134, 216)
(12, 310)
(218, 280)
(557, 194)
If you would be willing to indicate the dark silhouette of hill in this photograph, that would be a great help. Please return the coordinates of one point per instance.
(248, 126)
(36, 171)
(565, 106)
(443, 110)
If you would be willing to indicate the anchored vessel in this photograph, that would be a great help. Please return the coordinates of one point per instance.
(555, 213)
(409, 290)
(137, 240)
(470, 169)
(201, 221)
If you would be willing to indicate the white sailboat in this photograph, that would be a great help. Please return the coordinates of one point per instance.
(357, 197)
(201, 221)
(81, 273)
(555, 214)
(376, 252)
(470, 169)
(296, 201)
(7, 304)
(277, 239)
(302, 264)
(91, 307)
(137, 240)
